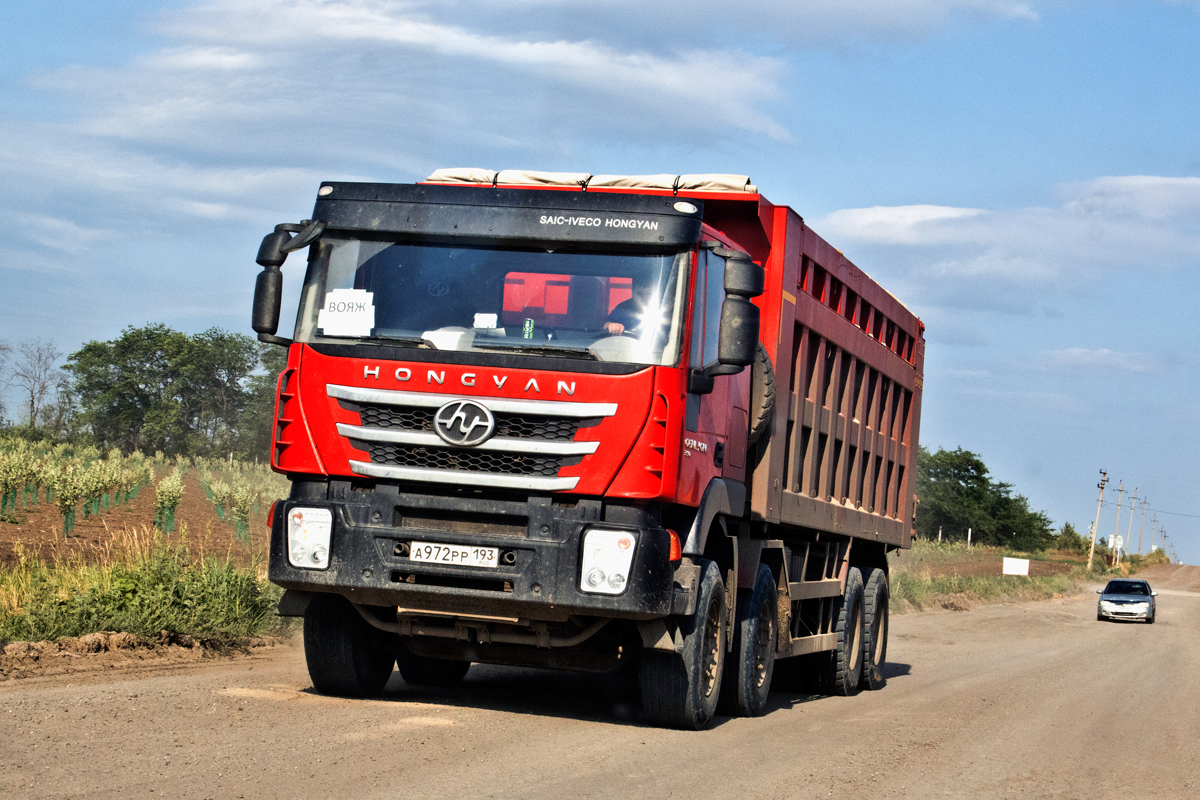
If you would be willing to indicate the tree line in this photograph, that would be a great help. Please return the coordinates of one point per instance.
(957, 494)
(210, 394)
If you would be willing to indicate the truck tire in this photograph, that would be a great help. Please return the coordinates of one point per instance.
(346, 656)
(425, 671)
(747, 681)
(839, 671)
(680, 690)
(875, 628)
(762, 395)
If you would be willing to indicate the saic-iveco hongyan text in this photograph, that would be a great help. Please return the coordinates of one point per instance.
(588, 422)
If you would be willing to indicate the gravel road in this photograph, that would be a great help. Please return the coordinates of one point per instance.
(1034, 700)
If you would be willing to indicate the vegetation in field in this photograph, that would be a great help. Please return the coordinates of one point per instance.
(142, 584)
(76, 479)
(953, 575)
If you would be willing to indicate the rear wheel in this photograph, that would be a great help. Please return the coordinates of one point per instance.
(426, 671)
(346, 657)
(875, 628)
(680, 690)
(839, 671)
(747, 681)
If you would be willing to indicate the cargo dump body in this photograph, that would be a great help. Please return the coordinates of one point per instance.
(581, 421)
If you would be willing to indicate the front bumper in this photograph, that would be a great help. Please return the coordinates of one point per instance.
(1117, 612)
(540, 535)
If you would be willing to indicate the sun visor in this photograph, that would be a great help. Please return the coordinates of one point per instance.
(511, 217)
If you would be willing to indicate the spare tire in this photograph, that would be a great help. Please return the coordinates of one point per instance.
(762, 395)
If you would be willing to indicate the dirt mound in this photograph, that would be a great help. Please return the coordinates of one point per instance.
(110, 649)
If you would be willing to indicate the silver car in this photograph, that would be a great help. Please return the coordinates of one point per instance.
(1124, 598)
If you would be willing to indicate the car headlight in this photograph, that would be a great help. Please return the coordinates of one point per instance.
(1141, 606)
(607, 557)
(308, 533)
(1109, 604)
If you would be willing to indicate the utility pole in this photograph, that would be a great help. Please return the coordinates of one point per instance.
(1117, 524)
(1096, 524)
(1129, 527)
(1153, 530)
(1141, 525)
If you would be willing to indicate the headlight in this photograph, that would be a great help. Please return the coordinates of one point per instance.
(308, 533)
(1142, 606)
(1107, 604)
(607, 556)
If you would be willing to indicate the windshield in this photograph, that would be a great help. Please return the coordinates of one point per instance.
(595, 306)
(1126, 587)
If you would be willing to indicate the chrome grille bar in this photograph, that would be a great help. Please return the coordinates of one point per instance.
(491, 479)
(502, 405)
(508, 445)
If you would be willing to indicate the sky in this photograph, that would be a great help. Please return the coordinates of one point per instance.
(1024, 176)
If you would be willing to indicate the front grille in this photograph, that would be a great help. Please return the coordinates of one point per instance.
(462, 459)
(410, 419)
(517, 426)
(532, 439)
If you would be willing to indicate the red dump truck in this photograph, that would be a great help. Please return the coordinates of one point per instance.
(588, 422)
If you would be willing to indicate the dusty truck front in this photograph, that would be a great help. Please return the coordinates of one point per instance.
(482, 417)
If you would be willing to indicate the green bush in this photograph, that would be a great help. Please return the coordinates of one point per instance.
(144, 594)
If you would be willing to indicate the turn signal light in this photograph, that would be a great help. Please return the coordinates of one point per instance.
(271, 515)
(676, 547)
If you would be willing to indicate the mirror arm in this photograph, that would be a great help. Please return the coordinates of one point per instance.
(713, 370)
(269, 338)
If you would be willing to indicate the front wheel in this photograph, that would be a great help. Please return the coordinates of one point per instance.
(346, 657)
(680, 690)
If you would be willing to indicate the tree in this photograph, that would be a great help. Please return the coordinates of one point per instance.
(36, 376)
(957, 494)
(1070, 540)
(154, 388)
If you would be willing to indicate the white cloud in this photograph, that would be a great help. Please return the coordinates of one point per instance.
(1079, 358)
(1017, 260)
(894, 224)
(807, 23)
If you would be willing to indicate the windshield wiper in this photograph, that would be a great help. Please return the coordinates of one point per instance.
(412, 341)
(542, 350)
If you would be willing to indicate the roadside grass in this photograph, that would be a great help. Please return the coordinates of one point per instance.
(952, 575)
(138, 583)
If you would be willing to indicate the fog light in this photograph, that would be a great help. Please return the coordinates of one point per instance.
(309, 530)
(607, 558)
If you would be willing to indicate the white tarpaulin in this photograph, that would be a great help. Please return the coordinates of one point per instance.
(664, 182)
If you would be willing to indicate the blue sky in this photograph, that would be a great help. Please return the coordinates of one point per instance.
(1025, 176)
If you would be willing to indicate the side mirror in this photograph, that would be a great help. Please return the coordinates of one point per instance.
(268, 294)
(1099, 591)
(737, 344)
(743, 277)
(268, 287)
(1154, 594)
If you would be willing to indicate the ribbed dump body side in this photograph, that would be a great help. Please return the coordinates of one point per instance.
(849, 362)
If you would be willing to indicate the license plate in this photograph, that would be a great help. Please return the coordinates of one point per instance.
(454, 554)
